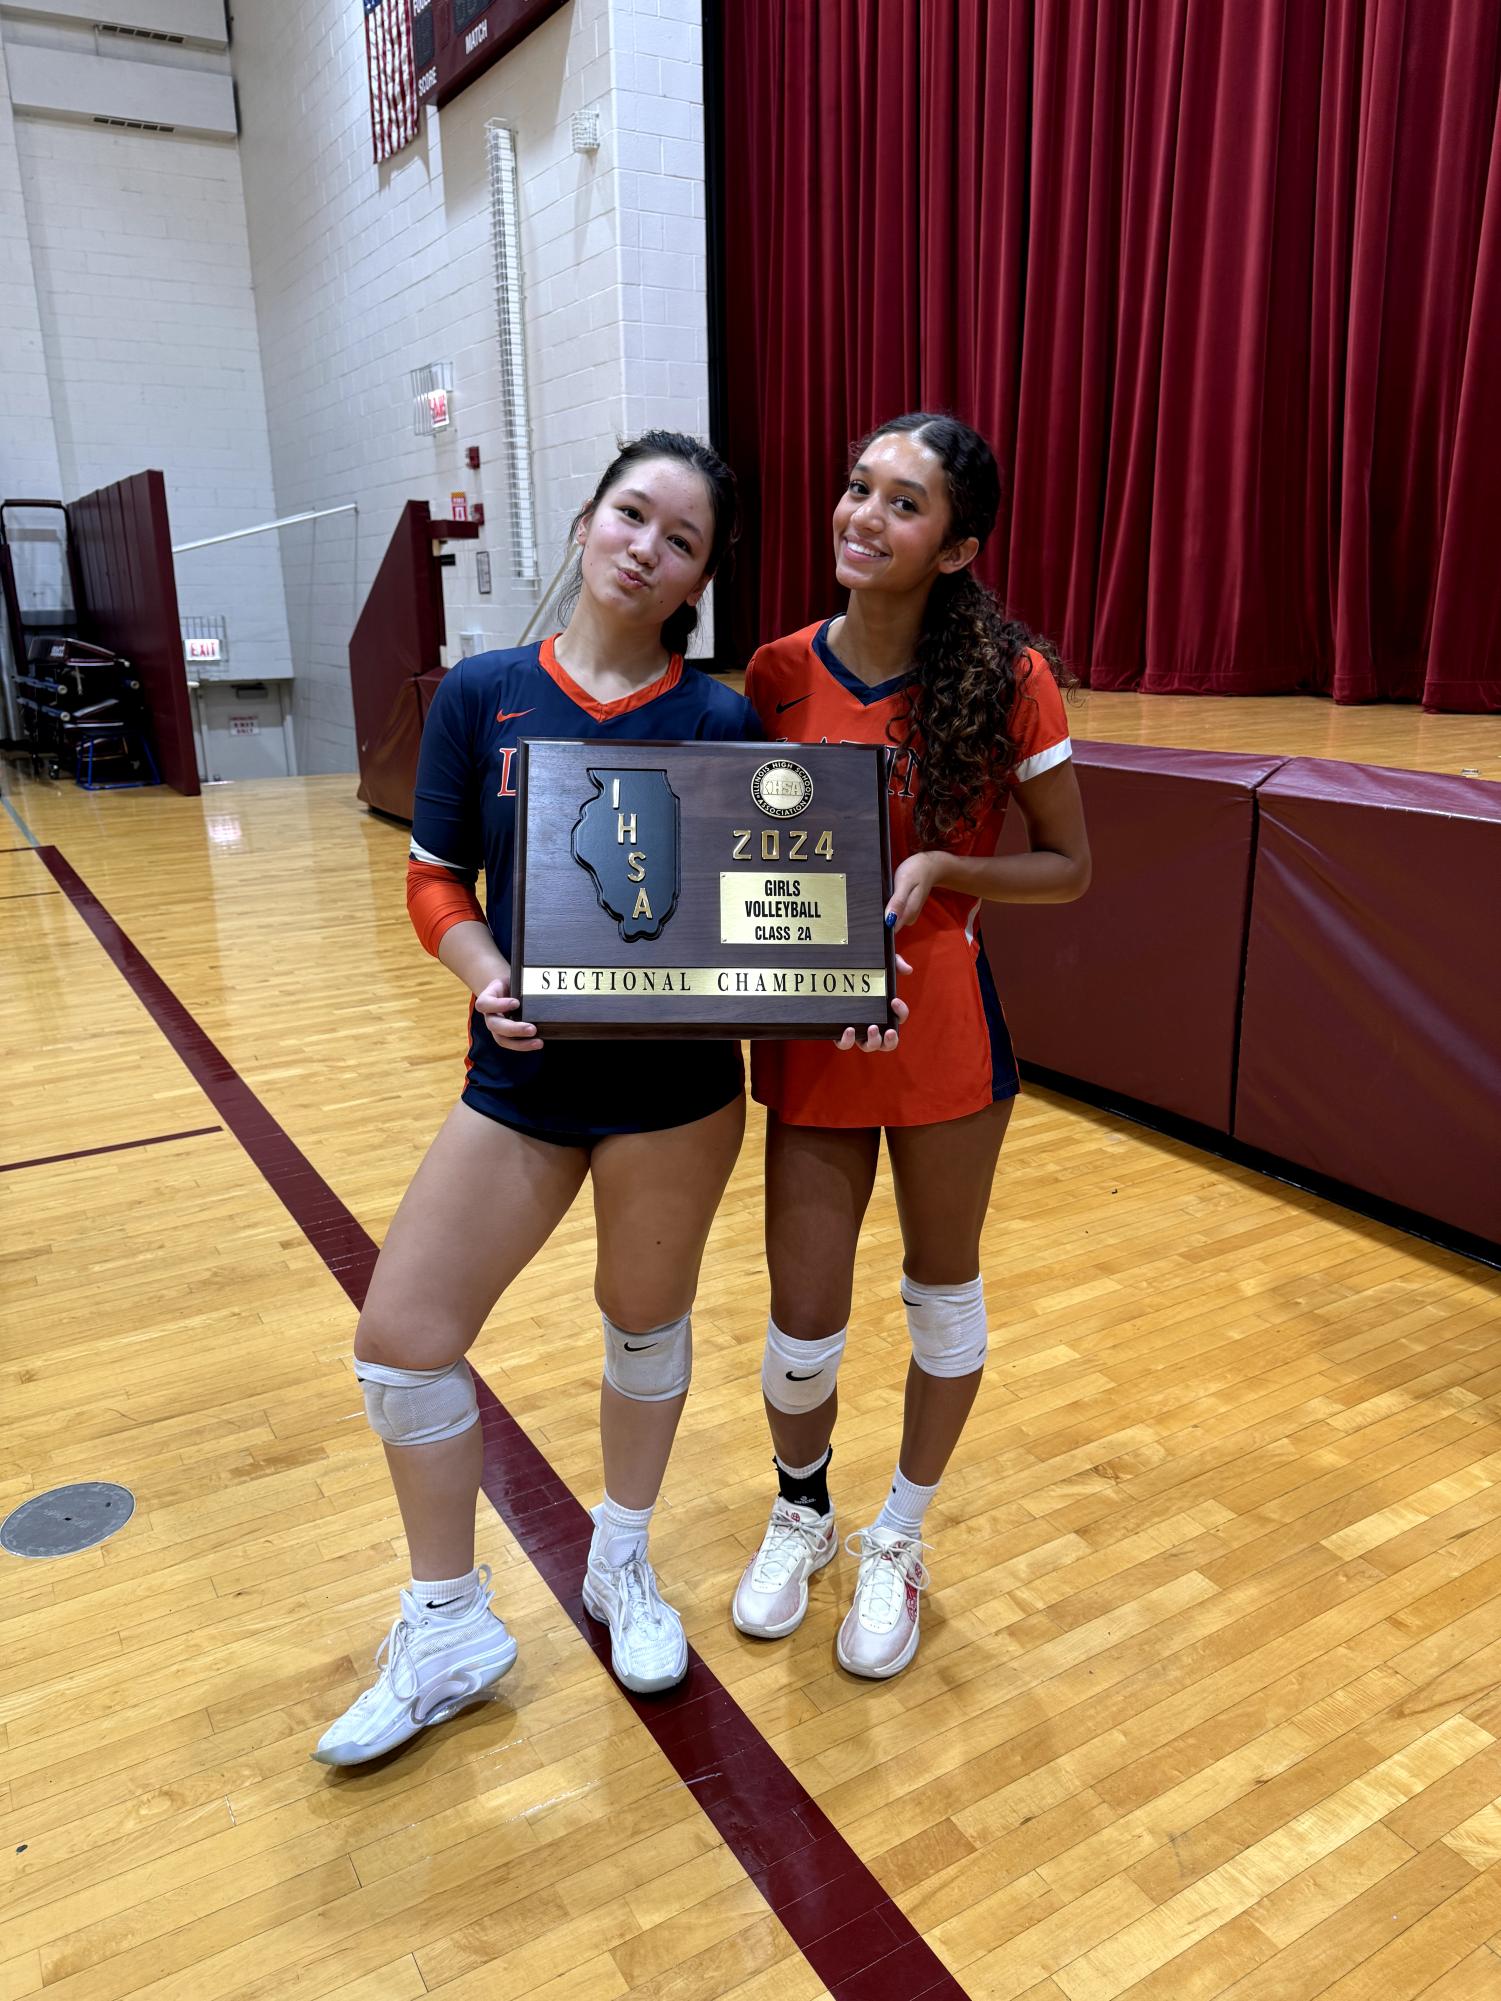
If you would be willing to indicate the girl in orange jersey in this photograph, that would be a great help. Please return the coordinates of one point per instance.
(967, 703)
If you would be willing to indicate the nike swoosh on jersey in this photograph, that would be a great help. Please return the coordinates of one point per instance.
(512, 715)
(781, 706)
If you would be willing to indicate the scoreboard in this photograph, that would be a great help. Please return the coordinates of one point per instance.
(454, 41)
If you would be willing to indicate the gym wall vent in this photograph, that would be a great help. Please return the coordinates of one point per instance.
(505, 231)
(139, 34)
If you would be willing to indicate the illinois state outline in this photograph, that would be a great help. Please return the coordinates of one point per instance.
(628, 838)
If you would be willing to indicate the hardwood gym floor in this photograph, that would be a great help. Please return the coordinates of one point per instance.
(1209, 1697)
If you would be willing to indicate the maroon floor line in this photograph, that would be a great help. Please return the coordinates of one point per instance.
(118, 1146)
(848, 1928)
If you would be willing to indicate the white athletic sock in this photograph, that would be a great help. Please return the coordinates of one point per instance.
(802, 1472)
(905, 1506)
(452, 1595)
(619, 1533)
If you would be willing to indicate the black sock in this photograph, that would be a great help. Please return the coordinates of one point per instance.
(806, 1490)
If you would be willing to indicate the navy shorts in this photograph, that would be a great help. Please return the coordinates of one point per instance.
(574, 1093)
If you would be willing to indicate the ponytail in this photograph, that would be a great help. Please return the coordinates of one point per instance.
(970, 657)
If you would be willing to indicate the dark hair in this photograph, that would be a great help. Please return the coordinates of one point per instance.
(968, 651)
(724, 499)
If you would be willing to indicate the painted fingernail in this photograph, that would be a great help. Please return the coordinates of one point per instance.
(891, 920)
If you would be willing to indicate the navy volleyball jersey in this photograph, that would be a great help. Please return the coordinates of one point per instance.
(465, 820)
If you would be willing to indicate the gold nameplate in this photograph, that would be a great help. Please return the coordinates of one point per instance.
(789, 908)
(659, 982)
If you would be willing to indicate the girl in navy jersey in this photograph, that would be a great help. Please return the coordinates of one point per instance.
(968, 705)
(657, 1136)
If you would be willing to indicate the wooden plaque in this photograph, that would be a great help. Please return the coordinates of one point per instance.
(702, 889)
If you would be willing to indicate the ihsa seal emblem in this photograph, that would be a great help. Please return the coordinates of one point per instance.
(782, 789)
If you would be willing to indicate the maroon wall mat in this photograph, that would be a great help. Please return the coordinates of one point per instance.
(124, 548)
(394, 643)
(388, 761)
(1371, 1031)
(1136, 987)
(428, 686)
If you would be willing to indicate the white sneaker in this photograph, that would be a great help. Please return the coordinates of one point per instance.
(772, 1594)
(648, 1647)
(432, 1664)
(879, 1634)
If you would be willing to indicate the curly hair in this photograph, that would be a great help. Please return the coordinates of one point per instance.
(968, 651)
(724, 500)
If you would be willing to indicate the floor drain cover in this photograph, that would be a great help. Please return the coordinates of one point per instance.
(67, 1519)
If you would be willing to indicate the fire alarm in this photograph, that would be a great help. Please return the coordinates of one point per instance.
(471, 458)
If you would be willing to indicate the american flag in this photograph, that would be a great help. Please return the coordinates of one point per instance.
(393, 77)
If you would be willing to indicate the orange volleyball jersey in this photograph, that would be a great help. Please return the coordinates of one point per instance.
(955, 1054)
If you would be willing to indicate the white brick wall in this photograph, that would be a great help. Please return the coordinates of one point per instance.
(143, 291)
(363, 274)
(131, 341)
(661, 116)
(28, 444)
(658, 48)
(133, 336)
(30, 447)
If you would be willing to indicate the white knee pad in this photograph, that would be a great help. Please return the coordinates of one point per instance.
(650, 1367)
(417, 1406)
(947, 1326)
(799, 1375)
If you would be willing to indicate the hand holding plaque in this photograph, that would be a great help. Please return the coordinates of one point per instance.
(702, 889)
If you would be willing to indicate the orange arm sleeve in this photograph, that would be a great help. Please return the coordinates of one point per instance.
(435, 903)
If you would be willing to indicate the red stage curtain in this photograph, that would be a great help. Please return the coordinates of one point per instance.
(1222, 284)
